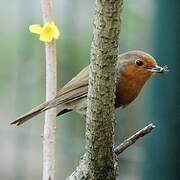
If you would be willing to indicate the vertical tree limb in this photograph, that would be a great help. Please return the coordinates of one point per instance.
(101, 95)
(51, 88)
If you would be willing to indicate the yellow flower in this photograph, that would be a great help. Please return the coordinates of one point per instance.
(47, 33)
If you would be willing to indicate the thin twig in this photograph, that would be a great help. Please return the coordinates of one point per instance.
(128, 142)
(81, 171)
(51, 88)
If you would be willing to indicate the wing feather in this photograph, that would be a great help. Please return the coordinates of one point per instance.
(73, 90)
(76, 89)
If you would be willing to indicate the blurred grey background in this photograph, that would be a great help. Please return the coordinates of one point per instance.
(152, 26)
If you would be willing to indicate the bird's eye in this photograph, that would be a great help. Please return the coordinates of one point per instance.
(139, 62)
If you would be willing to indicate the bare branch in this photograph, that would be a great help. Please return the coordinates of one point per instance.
(128, 142)
(81, 172)
(51, 88)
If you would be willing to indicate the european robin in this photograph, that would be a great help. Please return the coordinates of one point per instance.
(134, 68)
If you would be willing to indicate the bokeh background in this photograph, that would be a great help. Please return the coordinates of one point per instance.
(149, 25)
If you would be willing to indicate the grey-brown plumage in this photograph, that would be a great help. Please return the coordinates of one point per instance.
(74, 90)
(134, 68)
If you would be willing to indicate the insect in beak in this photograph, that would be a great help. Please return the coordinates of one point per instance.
(158, 69)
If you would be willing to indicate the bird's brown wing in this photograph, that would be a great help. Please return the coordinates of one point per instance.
(75, 89)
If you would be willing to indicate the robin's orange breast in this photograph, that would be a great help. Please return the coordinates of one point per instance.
(129, 85)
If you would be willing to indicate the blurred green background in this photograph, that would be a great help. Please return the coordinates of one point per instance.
(149, 25)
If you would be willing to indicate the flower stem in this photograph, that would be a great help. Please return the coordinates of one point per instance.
(51, 88)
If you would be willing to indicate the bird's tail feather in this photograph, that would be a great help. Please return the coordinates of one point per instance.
(35, 111)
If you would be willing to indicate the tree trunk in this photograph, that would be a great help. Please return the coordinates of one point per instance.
(101, 95)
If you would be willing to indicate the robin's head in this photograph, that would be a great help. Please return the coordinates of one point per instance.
(138, 64)
(133, 70)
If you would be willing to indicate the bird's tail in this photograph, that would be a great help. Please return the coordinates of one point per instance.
(35, 111)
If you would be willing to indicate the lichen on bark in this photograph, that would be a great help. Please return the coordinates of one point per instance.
(101, 95)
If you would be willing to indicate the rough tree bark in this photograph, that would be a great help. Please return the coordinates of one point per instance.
(81, 172)
(98, 161)
(101, 95)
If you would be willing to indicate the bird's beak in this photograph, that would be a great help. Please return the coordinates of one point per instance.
(158, 69)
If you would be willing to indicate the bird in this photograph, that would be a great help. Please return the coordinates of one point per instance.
(133, 69)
